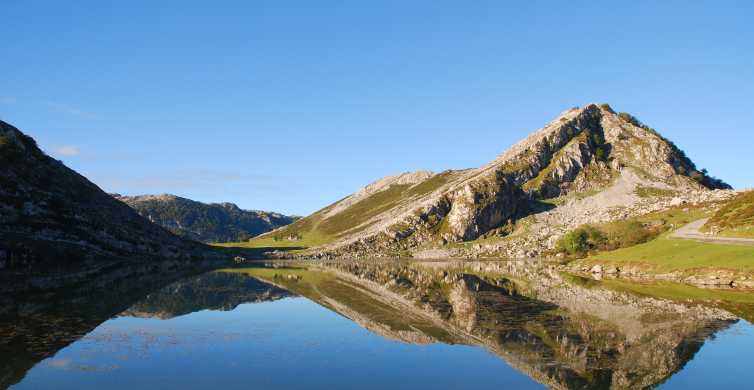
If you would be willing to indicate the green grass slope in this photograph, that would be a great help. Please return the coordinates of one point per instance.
(667, 254)
(319, 229)
(736, 219)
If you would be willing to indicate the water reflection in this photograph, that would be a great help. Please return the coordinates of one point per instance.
(562, 331)
(212, 291)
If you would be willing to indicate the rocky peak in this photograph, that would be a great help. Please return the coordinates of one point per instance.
(595, 141)
(230, 206)
(145, 198)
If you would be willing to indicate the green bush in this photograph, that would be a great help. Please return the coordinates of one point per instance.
(627, 233)
(581, 240)
(630, 119)
(616, 235)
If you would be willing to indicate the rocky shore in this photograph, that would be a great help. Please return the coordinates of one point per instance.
(716, 278)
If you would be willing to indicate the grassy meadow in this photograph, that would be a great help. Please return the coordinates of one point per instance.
(666, 254)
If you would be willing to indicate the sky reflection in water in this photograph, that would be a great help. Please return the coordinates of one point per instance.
(233, 331)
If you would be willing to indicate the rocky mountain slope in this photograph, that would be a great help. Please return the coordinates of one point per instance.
(214, 222)
(53, 219)
(589, 164)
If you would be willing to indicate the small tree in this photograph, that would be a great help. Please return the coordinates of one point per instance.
(581, 240)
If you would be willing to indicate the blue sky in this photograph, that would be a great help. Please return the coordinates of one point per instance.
(289, 106)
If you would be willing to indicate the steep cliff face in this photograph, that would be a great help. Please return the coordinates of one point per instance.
(214, 222)
(583, 151)
(52, 218)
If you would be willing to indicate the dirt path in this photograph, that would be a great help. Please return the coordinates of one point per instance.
(691, 232)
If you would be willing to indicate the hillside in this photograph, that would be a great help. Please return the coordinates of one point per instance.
(214, 222)
(736, 219)
(590, 164)
(53, 219)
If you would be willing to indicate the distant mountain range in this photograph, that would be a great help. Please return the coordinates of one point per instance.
(213, 222)
(589, 165)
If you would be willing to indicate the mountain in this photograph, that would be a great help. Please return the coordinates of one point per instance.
(53, 219)
(583, 166)
(214, 222)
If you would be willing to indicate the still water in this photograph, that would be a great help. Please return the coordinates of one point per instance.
(391, 325)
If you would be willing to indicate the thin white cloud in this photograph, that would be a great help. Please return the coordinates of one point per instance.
(166, 183)
(7, 100)
(69, 110)
(68, 150)
(177, 181)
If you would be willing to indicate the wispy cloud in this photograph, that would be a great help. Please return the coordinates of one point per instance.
(7, 100)
(176, 182)
(69, 110)
(68, 150)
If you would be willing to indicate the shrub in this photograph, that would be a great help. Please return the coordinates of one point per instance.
(628, 233)
(581, 240)
(631, 119)
(616, 235)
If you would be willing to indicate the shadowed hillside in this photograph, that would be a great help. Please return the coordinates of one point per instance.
(50, 214)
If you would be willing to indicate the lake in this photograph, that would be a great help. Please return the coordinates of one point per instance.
(384, 324)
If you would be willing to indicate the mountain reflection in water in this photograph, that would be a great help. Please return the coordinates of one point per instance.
(559, 330)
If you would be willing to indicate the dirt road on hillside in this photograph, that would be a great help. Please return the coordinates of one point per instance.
(691, 232)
